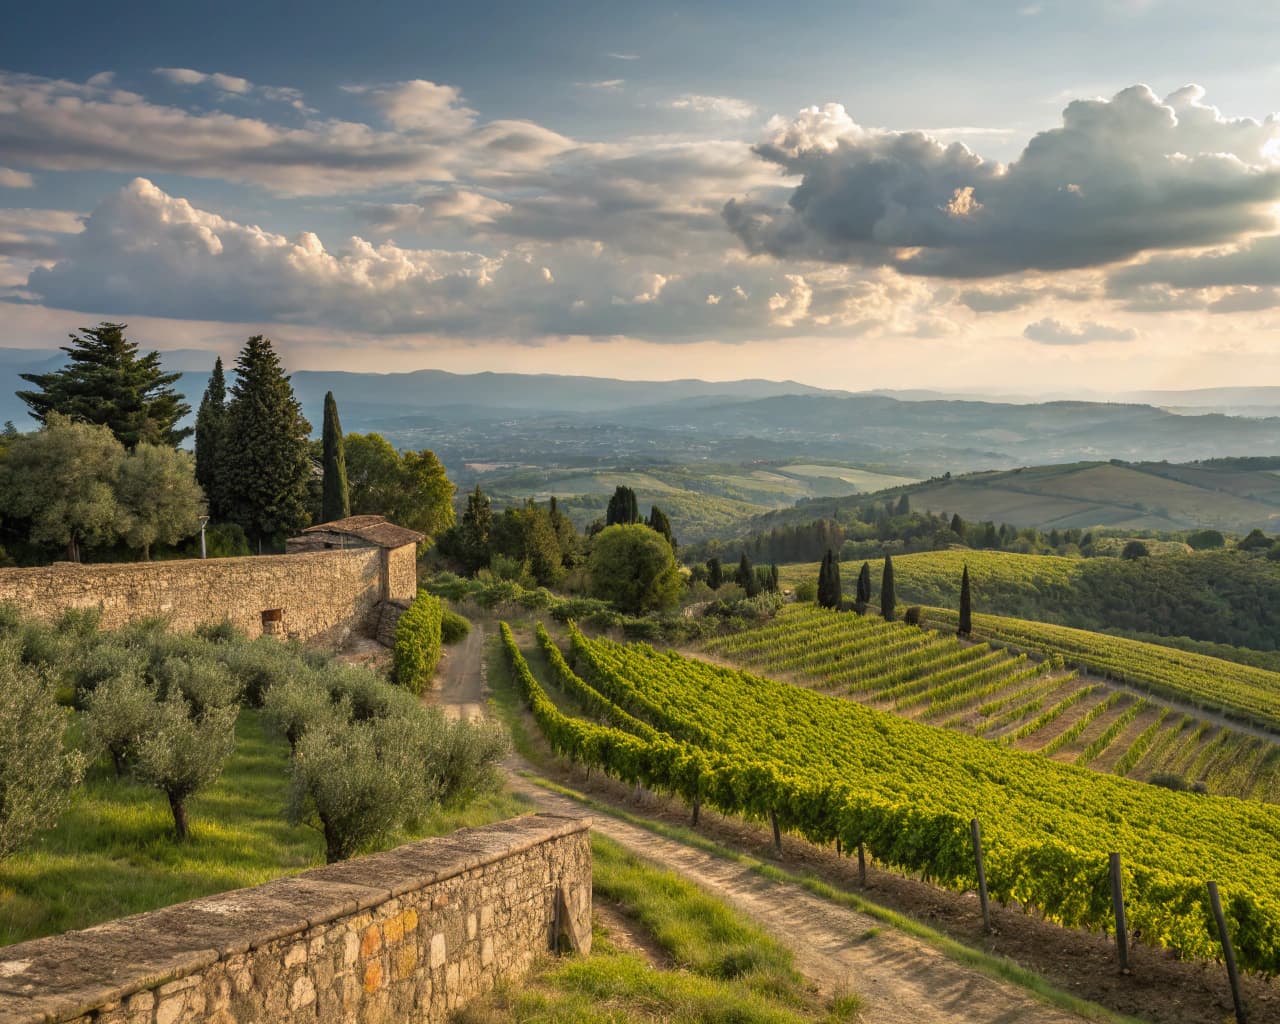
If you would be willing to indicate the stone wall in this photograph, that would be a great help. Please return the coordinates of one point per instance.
(401, 937)
(317, 593)
(402, 573)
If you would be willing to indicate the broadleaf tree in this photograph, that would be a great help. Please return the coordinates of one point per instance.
(158, 499)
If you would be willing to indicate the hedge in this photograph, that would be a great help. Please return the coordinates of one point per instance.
(418, 642)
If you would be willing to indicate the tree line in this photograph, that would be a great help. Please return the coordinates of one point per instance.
(105, 475)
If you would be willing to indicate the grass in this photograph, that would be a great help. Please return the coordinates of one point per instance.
(726, 969)
(113, 852)
(507, 704)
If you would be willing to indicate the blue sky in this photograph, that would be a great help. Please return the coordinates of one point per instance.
(1010, 195)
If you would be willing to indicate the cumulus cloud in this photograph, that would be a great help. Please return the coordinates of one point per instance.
(10, 178)
(421, 107)
(718, 106)
(1054, 332)
(145, 252)
(33, 234)
(1118, 178)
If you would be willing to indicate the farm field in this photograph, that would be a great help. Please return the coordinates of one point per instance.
(837, 770)
(972, 688)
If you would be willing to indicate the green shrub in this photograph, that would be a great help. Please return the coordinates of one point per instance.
(301, 703)
(807, 591)
(453, 627)
(100, 663)
(417, 647)
(36, 773)
(219, 632)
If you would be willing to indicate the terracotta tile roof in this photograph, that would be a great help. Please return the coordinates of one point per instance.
(374, 529)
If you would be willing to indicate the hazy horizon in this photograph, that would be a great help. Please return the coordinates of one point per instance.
(1036, 198)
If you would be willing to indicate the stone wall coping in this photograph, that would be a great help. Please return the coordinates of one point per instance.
(61, 977)
(182, 564)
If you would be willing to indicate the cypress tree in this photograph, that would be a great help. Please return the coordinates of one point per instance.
(888, 600)
(746, 577)
(715, 573)
(904, 506)
(957, 525)
(966, 606)
(211, 428)
(108, 384)
(264, 464)
(824, 584)
(774, 582)
(623, 508)
(477, 526)
(659, 523)
(335, 500)
(833, 580)
(864, 583)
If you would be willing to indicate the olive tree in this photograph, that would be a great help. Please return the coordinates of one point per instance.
(118, 712)
(158, 499)
(182, 753)
(37, 773)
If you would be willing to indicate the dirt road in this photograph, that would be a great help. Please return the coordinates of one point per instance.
(901, 979)
(462, 691)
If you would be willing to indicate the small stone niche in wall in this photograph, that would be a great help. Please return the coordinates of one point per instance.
(273, 622)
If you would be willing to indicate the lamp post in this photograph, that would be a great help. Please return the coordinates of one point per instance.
(204, 521)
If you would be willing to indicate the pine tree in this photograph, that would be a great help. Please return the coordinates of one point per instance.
(864, 583)
(106, 383)
(888, 600)
(659, 522)
(211, 428)
(966, 606)
(336, 502)
(264, 464)
(623, 507)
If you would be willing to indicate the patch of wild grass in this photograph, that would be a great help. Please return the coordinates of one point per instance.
(113, 852)
(728, 970)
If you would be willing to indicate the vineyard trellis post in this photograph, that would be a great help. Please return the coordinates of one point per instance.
(777, 832)
(862, 865)
(1228, 954)
(1117, 902)
(976, 831)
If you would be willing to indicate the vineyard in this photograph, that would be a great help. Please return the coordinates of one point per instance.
(831, 769)
(973, 688)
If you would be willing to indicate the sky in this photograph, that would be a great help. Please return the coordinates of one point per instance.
(1010, 196)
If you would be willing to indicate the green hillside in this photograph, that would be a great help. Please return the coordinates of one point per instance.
(1131, 496)
(1225, 597)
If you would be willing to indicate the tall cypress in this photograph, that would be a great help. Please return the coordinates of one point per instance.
(824, 571)
(746, 577)
(264, 464)
(833, 580)
(888, 601)
(211, 428)
(715, 573)
(966, 606)
(775, 582)
(659, 522)
(864, 583)
(335, 499)
(623, 507)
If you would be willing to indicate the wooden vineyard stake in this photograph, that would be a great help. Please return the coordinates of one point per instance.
(777, 832)
(976, 831)
(697, 806)
(1117, 902)
(1228, 953)
(862, 866)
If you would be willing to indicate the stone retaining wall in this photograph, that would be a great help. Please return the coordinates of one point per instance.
(400, 937)
(317, 593)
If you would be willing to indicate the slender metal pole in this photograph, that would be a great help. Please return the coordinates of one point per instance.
(1228, 953)
(1117, 902)
(976, 831)
(204, 521)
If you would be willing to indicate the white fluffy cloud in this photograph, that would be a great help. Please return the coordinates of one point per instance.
(232, 85)
(1118, 178)
(1054, 332)
(145, 252)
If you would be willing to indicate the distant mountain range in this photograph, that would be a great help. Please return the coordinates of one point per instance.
(550, 420)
